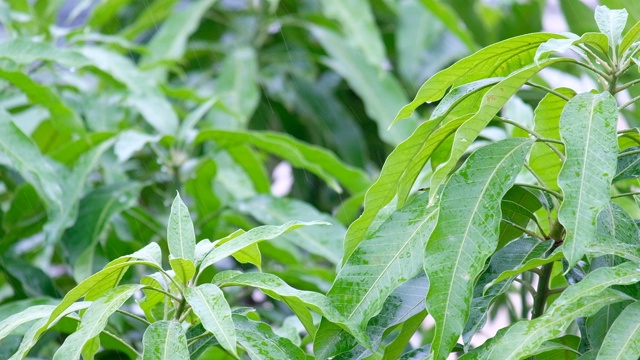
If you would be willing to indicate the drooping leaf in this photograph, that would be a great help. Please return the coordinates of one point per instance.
(588, 129)
(383, 261)
(94, 321)
(623, 338)
(181, 237)
(316, 160)
(518, 208)
(467, 234)
(209, 304)
(165, 340)
(326, 242)
(261, 343)
(252, 236)
(582, 299)
(35, 312)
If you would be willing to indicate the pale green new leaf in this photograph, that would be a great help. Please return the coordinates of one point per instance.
(94, 321)
(10, 323)
(611, 23)
(492, 102)
(184, 269)
(319, 161)
(623, 339)
(582, 299)
(496, 60)
(252, 236)
(629, 39)
(209, 304)
(261, 343)
(467, 234)
(384, 260)
(165, 340)
(181, 237)
(588, 129)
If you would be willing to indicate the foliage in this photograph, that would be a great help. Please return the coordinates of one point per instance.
(505, 192)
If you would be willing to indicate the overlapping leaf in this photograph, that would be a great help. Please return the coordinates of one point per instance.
(165, 340)
(466, 234)
(623, 338)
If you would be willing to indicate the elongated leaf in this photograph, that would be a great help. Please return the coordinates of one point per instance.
(404, 302)
(629, 39)
(252, 236)
(530, 263)
(582, 299)
(518, 207)
(380, 91)
(628, 165)
(25, 52)
(467, 234)
(238, 84)
(496, 60)
(623, 339)
(588, 129)
(382, 261)
(181, 236)
(449, 17)
(611, 23)
(10, 323)
(314, 159)
(94, 321)
(361, 30)
(261, 343)
(394, 349)
(492, 101)
(209, 304)
(62, 116)
(598, 325)
(165, 340)
(326, 242)
(543, 160)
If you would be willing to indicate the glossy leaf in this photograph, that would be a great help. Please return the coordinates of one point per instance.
(623, 339)
(209, 304)
(181, 237)
(588, 129)
(261, 343)
(370, 275)
(94, 321)
(582, 299)
(467, 234)
(518, 207)
(628, 165)
(496, 60)
(165, 340)
(534, 260)
(252, 236)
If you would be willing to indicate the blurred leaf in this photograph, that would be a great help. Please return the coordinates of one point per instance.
(578, 15)
(165, 340)
(591, 149)
(209, 304)
(25, 52)
(448, 16)
(237, 86)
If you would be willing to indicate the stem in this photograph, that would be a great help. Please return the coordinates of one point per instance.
(602, 74)
(133, 316)
(542, 292)
(630, 102)
(526, 285)
(124, 343)
(549, 90)
(556, 290)
(536, 135)
(195, 338)
(627, 85)
(625, 194)
(162, 292)
(180, 309)
(555, 194)
(627, 153)
(524, 230)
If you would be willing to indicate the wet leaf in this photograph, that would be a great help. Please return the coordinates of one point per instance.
(209, 304)
(165, 340)
(623, 339)
(181, 237)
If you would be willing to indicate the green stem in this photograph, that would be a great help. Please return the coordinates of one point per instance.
(196, 338)
(162, 292)
(526, 286)
(628, 153)
(124, 343)
(524, 230)
(625, 194)
(555, 194)
(630, 102)
(133, 316)
(627, 85)
(542, 292)
(549, 90)
(536, 135)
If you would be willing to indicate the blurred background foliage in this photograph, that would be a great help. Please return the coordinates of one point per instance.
(109, 107)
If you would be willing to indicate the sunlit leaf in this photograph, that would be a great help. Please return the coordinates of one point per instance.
(165, 340)
(611, 23)
(261, 343)
(181, 237)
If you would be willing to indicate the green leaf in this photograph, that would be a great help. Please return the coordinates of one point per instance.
(237, 85)
(185, 269)
(623, 339)
(611, 23)
(35, 312)
(449, 17)
(588, 129)
(518, 207)
(595, 39)
(181, 237)
(394, 349)
(94, 320)
(312, 158)
(326, 242)
(96, 211)
(467, 234)
(209, 304)
(629, 39)
(492, 101)
(582, 299)
(261, 343)
(362, 31)
(252, 236)
(628, 167)
(380, 91)
(170, 41)
(496, 60)
(384, 260)
(599, 324)
(62, 116)
(165, 340)
(534, 260)
(543, 160)
(25, 52)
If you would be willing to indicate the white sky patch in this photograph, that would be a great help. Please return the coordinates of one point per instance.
(282, 179)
